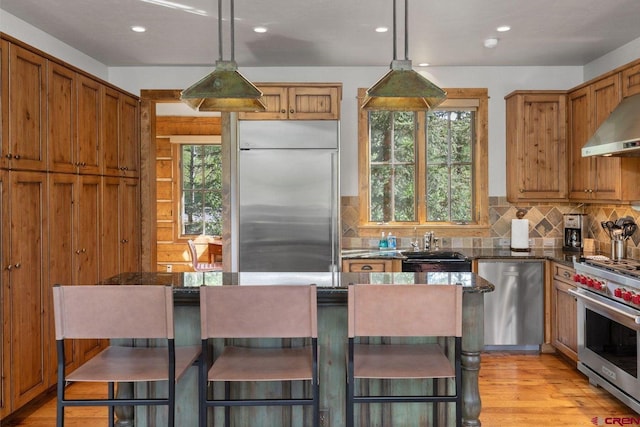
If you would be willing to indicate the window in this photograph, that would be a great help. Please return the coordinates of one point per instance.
(426, 168)
(201, 201)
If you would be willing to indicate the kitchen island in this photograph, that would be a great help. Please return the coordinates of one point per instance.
(332, 337)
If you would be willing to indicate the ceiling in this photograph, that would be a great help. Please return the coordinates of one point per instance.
(337, 32)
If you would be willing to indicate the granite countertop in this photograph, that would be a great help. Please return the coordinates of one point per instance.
(332, 287)
(554, 254)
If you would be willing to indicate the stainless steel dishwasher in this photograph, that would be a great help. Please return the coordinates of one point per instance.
(514, 312)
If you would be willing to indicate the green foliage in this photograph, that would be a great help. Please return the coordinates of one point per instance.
(201, 189)
(449, 168)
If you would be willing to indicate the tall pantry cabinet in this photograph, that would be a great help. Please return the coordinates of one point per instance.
(58, 135)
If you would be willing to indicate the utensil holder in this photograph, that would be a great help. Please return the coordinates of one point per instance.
(618, 249)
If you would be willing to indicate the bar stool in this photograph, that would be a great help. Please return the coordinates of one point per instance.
(262, 311)
(120, 311)
(403, 311)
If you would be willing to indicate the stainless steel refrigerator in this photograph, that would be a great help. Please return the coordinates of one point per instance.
(288, 196)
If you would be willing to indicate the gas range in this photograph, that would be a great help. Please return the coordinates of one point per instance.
(615, 279)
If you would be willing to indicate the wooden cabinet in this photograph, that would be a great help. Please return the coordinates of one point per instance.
(371, 265)
(305, 101)
(120, 233)
(4, 104)
(564, 312)
(120, 134)
(598, 179)
(51, 206)
(26, 148)
(631, 80)
(74, 218)
(87, 150)
(536, 146)
(26, 300)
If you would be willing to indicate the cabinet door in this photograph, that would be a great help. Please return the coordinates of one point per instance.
(5, 307)
(540, 161)
(110, 231)
(580, 168)
(631, 81)
(565, 337)
(27, 109)
(314, 103)
(129, 225)
(4, 104)
(89, 141)
(606, 175)
(86, 248)
(62, 217)
(110, 125)
(275, 100)
(29, 298)
(61, 102)
(129, 141)
(367, 265)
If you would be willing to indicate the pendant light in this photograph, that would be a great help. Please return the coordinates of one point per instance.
(402, 88)
(225, 89)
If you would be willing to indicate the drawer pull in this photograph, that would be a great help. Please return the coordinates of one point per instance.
(366, 267)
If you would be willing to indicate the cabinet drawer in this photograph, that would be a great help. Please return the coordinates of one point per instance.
(563, 273)
(367, 265)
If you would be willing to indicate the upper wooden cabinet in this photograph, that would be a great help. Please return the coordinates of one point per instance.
(631, 80)
(27, 115)
(597, 179)
(120, 134)
(536, 146)
(305, 101)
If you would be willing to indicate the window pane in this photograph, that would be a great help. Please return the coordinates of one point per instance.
(405, 205)
(438, 193)
(380, 193)
(437, 136)
(404, 129)
(461, 196)
(380, 134)
(201, 189)
(461, 136)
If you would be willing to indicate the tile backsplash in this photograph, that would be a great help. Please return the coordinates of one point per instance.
(545, 226)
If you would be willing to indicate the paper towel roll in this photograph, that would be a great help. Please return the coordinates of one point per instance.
(520, 234)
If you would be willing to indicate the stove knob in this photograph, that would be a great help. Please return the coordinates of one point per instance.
(583, 280)
(590, 282)
(635, 299)
(626, 295)
(598, 285)
(576, 278)
(618, 292)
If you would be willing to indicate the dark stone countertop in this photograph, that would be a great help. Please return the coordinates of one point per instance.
(332, 287)
(554, 254)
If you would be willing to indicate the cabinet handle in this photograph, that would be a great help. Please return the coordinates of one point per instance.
(84, 251)
(9, 267)
(283, 111)
(124, 241)
(8, 156)
(522, 190)
(366, 267)
(17, 157)
(17, 265)
(567, 274)
(78, 252)
(292, 111)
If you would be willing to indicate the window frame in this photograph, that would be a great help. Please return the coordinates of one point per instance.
(177, 144)
(455, 97)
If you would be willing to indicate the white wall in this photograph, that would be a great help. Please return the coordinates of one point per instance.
(500, 81)
(614, 59)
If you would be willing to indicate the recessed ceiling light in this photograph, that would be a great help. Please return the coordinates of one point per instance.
(503, 28)
(491, 43)
(260, 30)
(423, 64)
(382, 29)
(138, 29)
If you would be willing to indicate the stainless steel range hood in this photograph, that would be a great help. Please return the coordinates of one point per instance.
(619, 134)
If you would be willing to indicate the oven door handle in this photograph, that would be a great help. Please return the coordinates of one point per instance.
(577, 294)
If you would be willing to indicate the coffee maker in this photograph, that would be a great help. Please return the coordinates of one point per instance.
(575, 231)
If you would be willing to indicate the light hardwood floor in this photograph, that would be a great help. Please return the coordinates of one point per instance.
(516, 390)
